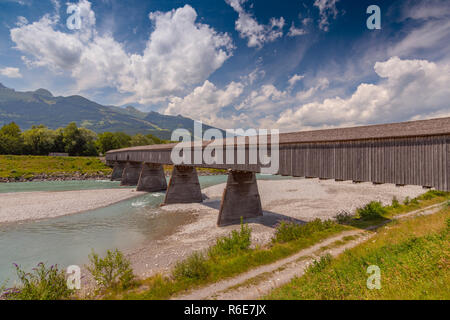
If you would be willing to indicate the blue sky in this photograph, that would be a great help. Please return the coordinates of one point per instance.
(291, 65)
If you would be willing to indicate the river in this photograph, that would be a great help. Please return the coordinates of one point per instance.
(69, 239)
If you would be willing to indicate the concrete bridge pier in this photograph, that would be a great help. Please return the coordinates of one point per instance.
(131, 173)
(184, 186)
(117, 171)
(240, 198)
(152, 178)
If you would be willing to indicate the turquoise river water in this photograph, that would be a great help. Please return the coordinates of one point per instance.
(69, 239)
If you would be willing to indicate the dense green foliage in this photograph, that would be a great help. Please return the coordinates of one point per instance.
(372, 210)
(111, 272)
(41, 283)
(234, 243)
(39, 140)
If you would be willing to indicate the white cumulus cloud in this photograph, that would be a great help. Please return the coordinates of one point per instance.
(408, 89)
(206, 102)
(179, 55)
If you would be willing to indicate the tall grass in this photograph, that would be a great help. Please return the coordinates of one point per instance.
(289, 231)
(112, 271)
(372, 210)
(41, 283)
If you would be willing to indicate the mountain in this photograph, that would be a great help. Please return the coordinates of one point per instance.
(41, 107)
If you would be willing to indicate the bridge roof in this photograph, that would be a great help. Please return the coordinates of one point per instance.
(432, 127)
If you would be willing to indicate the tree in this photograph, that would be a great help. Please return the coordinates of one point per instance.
(73, 140)
(89, 146)
(107, 141)
(39, 140)
(140, 140)
(11, 141)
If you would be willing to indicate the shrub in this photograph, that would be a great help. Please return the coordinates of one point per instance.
(395, 202)
(235, 242)
(41, 283)
(371, 210)
(288, 230)
(318, 265)
(112, 272)
(193, 268)
(430, 194)
(406, 201)
(343, 217)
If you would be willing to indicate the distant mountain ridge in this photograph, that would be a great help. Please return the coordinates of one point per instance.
(41, 107)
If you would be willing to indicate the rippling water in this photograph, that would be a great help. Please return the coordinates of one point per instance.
(69, 239)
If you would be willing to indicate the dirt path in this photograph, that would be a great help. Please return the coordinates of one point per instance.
(260, 281)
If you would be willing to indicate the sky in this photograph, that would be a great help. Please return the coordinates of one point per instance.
(291, 65)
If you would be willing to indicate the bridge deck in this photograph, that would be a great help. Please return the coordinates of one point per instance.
(415, 152)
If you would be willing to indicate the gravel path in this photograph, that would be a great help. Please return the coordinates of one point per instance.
(22, 206)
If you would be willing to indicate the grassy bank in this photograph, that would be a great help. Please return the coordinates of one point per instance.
(412, 254)
(204, 268)
(229, 257)
(28, 167)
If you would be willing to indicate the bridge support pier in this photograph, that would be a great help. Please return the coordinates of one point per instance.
(131, 173)
(117, 171)
(240, 198)
(152, 178)
(184, 186)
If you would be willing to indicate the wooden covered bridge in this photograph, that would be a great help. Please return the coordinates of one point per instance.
(407, 153)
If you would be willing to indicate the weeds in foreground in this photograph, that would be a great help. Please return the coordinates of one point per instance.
(195, 267)
(318, 265)
(395, 203)
(289, 231)
(344, 217)
(41, 283)
(111, 272)
(235, 242)
(372, 210)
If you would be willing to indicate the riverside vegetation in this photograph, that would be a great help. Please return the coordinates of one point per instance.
(39, 140)
(419, 247)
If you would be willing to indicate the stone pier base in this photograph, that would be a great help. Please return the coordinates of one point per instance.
(152, 178)
(184, 186)
(131, 173)
(240, 198)
(117, 171)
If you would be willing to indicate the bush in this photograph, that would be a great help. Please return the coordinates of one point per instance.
(112, 272)
(193, 268)
(430, 194)
(288, 230)
(395, 202)
(235, 242)
(40, 284)
(343, 217)
(371, 210)
(318, 265)
(406, 201)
